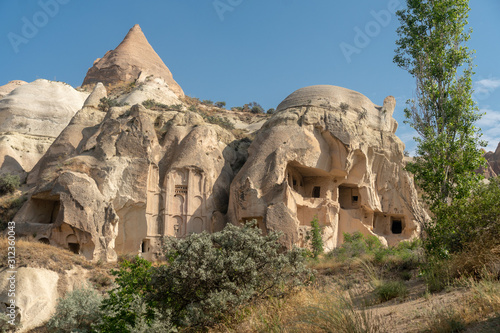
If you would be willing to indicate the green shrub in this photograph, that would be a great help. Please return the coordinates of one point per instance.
(464, 221)
(316, 238)
(127, 305)
(388, 290)
(77, 312)
(207, 102)
(356, 244)
(220, 104)
(8, 183)
(224, 123)
(107, 103)
(5, 326)
(209, 276)
(271, 111)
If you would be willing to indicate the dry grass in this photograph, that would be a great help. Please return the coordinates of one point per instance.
(480, 303)
(309, 310)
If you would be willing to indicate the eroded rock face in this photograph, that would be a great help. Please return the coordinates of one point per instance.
(31, 117)
(493, 159)
(132, 59)
(328, 152)
(117, 182)
(7, 88)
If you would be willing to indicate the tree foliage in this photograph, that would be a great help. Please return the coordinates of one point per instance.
(8, 183)
(209, 276)
(77, 312)
(316, 238)
(432, 48)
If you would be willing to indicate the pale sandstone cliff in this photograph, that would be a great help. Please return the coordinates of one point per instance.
(31, 117)
(328, 152)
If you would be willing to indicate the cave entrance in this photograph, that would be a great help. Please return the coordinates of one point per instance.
(44, 240)
(74, 247)
(73, 244)
(396, 226)
(45, 211)
(306, 181)
(349, 197)
(145, 246)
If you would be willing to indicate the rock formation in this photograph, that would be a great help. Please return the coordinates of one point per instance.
(7, 88)
(328, 152)
(31, 117)
(133, 58)
(117, 180)
(493, 159)
(120, 181)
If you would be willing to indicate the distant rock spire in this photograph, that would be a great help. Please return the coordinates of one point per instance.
(132, 57)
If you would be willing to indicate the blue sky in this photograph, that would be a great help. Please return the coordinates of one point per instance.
(242, 50)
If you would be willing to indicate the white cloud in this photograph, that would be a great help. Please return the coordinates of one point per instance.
(490, 125)
(483, 88)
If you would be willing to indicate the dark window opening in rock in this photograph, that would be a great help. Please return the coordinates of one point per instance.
(316, 192)
(74, 247)
(349, 197)
(294, 182)
(44, 240)
(396, 227)
(145, 246)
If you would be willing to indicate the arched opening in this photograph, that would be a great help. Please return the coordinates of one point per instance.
(44, 240)
(73, 244)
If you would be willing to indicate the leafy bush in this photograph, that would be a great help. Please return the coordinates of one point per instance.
(127, 304)
(271, 111)
(5, 326)
(208, 276)
(355, 245)
(465, 221)
(388, 290)
(316, 238)
(220, 104)
(207, 102)
(107, 103)
(77, 312)
(8, 183)
(224, 123)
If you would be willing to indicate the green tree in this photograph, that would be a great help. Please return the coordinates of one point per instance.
(316, 238)
(432, 48)
(127, 305)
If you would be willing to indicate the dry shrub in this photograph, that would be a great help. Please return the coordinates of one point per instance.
(479, 258)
